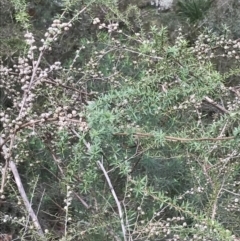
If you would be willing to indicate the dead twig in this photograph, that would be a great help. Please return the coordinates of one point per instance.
(212, 102)
(21, 190)
(24, 197)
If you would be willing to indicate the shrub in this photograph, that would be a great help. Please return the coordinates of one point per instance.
(133, 139)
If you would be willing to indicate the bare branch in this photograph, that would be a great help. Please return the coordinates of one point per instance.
(120, 213)
(21, 190)
(25, 199)
(212, 102)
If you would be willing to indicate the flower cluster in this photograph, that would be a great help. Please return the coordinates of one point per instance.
(210, 46)
(111, 27)
(53, 32)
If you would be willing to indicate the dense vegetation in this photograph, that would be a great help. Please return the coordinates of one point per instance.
(117, 125)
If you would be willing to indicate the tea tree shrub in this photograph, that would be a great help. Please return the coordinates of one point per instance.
(134, 138)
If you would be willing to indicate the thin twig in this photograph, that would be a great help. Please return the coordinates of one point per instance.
(62, 175)
(67, 87)
(38, 209)
(141, 54)
(27, 221)
(181, 139)
(82, 201)
(236, 194)
(120, 213)
(35, 122)
(214, 209)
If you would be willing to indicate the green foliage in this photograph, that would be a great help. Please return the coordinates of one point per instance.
(21, 15)
(193, 10)
(10, 46)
